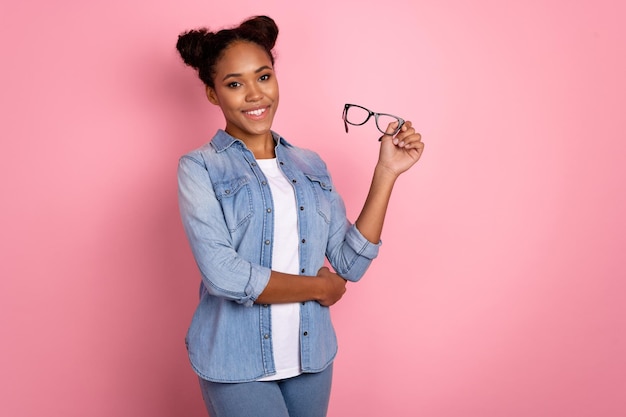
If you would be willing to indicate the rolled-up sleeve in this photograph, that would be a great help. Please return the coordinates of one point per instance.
(355, 255)
(348, 251)
(224, 273)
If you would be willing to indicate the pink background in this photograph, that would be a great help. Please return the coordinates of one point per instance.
(500, 289)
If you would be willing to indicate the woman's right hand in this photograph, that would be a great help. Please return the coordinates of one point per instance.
(334, 287)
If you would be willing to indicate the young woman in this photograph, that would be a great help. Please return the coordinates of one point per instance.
(261, 216)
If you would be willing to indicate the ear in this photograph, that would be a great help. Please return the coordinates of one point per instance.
(212, 96)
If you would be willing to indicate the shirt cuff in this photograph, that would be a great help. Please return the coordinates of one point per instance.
(361, 245)
(259, 277)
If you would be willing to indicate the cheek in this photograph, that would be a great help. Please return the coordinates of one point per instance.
(227, 101)
(273, 90)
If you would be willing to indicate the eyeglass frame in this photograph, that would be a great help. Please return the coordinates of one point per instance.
(401, 121)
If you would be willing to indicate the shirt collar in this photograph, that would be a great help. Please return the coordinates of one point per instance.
(222, 140)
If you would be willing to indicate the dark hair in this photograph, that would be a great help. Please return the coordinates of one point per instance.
(201, 49)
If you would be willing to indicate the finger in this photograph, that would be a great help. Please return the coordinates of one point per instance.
(414, 141)
(412, 138)
(322, 270)
(406, 130)
(411, 141)
(401, 137)
(417, 146)
(391, 127)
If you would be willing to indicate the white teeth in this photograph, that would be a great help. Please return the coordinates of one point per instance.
(257, 112)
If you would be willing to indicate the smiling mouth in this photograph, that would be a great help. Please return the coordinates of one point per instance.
(256, 112)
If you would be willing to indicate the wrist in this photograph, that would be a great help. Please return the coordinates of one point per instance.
(319, 288)
(384, 173)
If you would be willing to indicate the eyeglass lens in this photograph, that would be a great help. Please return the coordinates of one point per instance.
(356, 115)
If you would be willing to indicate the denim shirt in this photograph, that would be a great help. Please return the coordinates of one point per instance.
(228, 215)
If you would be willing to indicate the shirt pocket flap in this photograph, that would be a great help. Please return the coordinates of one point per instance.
(230, 188)
(322, 180)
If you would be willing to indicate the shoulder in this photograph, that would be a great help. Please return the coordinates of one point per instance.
(209, 151)
(303, 156)
(198, 155)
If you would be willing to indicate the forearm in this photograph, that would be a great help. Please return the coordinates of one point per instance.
(287, 288)
(397, 155)
(326, 288)
(370, 221)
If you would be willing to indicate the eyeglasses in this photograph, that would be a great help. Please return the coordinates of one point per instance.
(358, 116)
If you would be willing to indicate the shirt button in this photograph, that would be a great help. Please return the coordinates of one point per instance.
(303, 240)
(301, 207)
(264, 182)
(306, 333)
(253, 164)
(269, 210)
(265, 305)
(282, 163)
(267, 242)
(227, 191)
(302, 270)
(266, 336)
(294, 181)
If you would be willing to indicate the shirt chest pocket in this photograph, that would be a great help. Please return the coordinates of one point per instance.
(322, 190)
(235, 197)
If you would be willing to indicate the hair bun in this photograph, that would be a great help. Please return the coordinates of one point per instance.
(191, 46)
(262, 29)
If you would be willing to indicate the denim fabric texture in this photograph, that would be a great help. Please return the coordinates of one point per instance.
(227, 212)
(306, 395)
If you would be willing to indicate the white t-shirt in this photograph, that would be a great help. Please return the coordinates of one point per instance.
(285, 258)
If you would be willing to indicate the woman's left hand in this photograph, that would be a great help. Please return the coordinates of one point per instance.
(399, 153)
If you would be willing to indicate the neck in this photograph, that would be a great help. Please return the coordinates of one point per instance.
(262, 146)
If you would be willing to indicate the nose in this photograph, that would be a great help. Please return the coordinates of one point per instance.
(254, 93)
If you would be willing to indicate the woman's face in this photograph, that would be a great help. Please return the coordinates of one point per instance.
(246, 90)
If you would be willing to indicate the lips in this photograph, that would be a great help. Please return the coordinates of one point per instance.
(256, 112)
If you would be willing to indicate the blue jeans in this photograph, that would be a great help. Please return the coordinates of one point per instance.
(305, 395)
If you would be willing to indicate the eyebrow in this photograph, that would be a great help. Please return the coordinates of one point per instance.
(261, 69)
